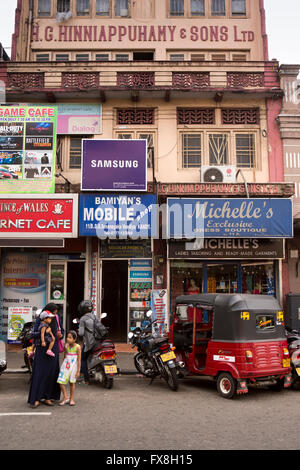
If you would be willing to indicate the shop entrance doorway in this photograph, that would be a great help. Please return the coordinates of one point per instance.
(115, 298)
(75, 291)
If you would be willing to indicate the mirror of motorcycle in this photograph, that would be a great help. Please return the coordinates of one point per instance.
(75, 321)
(103, 315)
(130, 335)
(149, 313)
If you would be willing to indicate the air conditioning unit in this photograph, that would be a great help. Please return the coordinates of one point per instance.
(218, 174)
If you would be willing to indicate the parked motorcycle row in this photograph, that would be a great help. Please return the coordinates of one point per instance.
(186, 351)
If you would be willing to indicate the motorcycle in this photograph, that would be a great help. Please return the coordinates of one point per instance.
(101, 361)
(293, 341)
(27, 344)
(155, 357)
(3, 363)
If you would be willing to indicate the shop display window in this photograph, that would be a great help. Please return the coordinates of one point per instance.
(258, 278)
(222, 278)
(186, 279)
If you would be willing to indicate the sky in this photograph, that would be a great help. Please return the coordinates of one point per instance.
(282, 16)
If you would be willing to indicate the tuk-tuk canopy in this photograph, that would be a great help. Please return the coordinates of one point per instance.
(240, 317)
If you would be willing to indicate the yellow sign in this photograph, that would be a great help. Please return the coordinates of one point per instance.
(280, 316)
(245, 315)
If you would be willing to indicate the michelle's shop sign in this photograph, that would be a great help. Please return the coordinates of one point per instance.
(230, 218)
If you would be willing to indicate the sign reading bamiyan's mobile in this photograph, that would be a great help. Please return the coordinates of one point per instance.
(229, 218)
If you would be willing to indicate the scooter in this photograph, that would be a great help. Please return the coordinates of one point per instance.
(101, 361)
(3, 363)
(293, 341)
(155, 357)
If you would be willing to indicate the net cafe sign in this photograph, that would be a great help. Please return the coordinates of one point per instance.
(142, 33)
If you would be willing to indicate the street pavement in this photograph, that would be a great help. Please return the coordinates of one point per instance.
(135, 416)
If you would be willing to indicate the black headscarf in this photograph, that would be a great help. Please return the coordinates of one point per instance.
(51, 307)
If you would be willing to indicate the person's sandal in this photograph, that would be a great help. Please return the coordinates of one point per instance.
(64, 402)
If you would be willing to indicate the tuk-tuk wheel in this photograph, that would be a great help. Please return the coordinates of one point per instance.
(226, 385)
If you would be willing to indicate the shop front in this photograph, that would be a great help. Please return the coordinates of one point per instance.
(121, 227)
(208, 251)
(248, 266)
(37, 231)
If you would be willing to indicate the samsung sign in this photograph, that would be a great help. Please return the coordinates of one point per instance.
(109, 165)
(230, 218)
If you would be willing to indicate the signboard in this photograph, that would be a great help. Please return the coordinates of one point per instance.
(23, 285)
(125, 249)
(159, 299)
(229, 218)
(17, 317)
(27, 149)
(116, 215)
(228, 248)
(109, 165)
(76, 118)
(48, 216)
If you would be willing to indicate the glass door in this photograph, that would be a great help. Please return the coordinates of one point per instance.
(57, 286)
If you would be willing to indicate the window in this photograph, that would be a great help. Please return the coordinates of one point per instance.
(191, 150)
(177, 7)
(62, 57)
(265, 322)
(63, 6)
(83, 7)
(82, 57)
(44, 8)
(218, 149)
(102, 57)
(42, 57)
(145, 136)
(143, 56)
(122, 8)
(218, 7)
(197, 8)
(238, 7)
(177, 57)
(245, 150)
(75, 151)
(102, 7)
(122, 57)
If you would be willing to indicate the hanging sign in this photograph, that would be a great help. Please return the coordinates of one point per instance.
(230, 218)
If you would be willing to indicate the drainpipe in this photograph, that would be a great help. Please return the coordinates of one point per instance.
(30, 21)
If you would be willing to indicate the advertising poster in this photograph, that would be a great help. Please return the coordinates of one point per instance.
(77, 118)
(115, 215)
(159, 299)
(230, 218)
(117, 164)
(27, 148)
(17, 317)
(23, 285)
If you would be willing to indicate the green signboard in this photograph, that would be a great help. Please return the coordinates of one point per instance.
(27, 148)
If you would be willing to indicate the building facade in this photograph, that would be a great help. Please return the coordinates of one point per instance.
(193, 79)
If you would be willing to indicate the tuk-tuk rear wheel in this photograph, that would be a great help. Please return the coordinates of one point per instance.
(226, 385)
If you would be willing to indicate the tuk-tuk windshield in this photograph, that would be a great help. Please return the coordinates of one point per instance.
(265, 322)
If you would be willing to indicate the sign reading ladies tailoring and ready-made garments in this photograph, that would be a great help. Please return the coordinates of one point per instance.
(230, 218)
(27, 148)
(118, 216)
(39, 216)
(110, 165)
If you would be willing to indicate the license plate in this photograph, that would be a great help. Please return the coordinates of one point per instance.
(168, 356)
(298, 370)
(110, 369)
(286, 363)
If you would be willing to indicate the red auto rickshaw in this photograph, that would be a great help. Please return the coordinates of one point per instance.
(238, 339)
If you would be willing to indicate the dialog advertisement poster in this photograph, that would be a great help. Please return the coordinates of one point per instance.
(159, 303)
(27, 148)
(23, 284)
(78, 118)
(17, 317)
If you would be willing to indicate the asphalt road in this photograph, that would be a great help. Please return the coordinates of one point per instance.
(136, 416)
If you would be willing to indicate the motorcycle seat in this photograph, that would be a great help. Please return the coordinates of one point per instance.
(160, 340)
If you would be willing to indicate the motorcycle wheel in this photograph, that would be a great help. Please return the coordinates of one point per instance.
(170, 377)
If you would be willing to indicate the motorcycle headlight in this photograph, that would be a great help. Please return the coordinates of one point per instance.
(2, 363)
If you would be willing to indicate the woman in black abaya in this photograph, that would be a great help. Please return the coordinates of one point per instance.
(46, 368)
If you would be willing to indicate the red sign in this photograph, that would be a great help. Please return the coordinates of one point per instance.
(51, 216)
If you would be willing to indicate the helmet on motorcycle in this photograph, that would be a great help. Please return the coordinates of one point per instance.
(85, 306)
